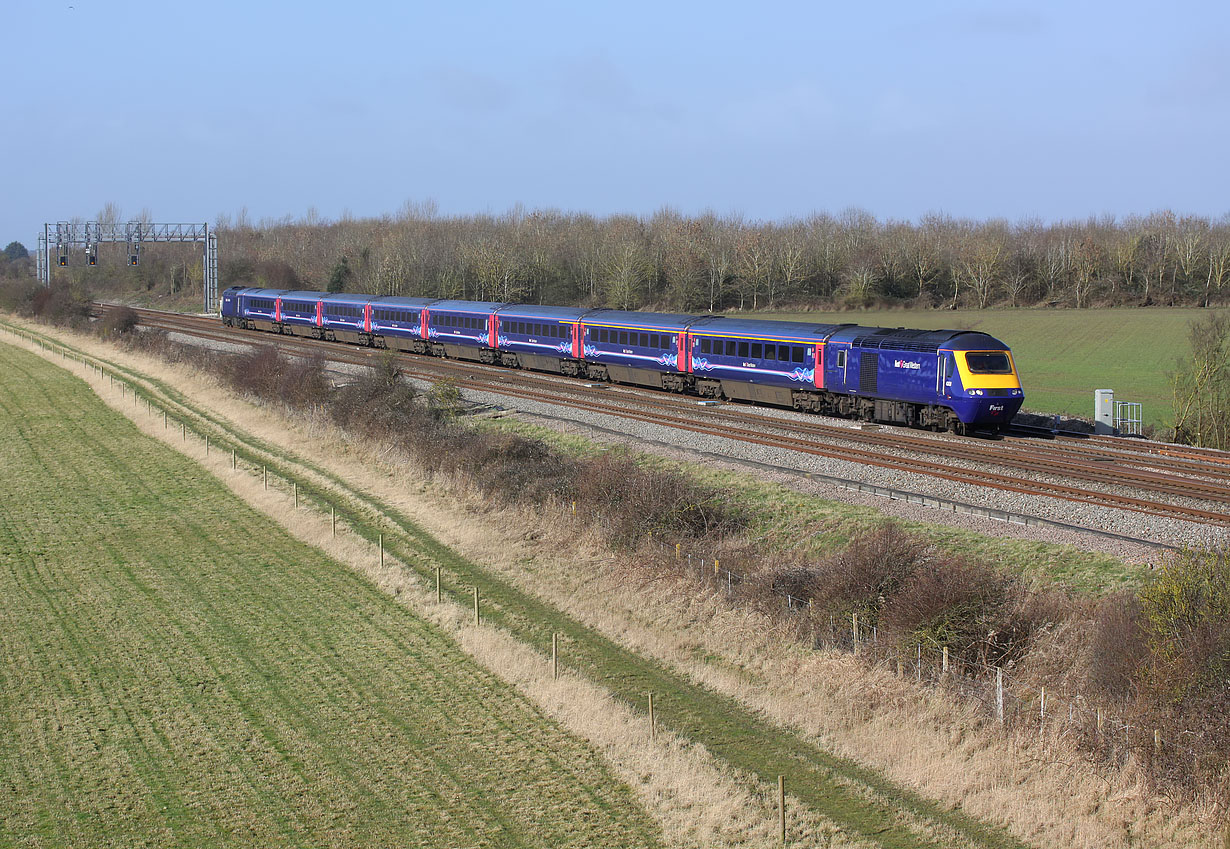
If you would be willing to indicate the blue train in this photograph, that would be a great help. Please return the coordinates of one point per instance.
(956, 380)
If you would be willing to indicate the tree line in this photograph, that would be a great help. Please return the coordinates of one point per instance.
(710, 262)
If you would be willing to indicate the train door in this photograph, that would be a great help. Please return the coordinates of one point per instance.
(576, 340)
(320, 313)
(944, 372)
(819, 369)
(838, 366)
(423, 326)
(277, 309)
(493, 331)
(685, 363)
(367, 318)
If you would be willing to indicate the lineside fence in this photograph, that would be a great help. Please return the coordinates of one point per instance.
(1055, 709)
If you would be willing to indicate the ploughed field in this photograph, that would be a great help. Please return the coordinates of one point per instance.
(1063, 355)
(176, 670)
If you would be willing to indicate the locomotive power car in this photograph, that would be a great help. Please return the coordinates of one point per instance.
(956, 380)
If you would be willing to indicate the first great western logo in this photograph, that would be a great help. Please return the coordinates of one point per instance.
(906, 364)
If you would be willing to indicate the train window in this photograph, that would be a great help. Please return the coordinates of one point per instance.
(623, 337)
(986, 362)
(796, 354)
(705, 347)
(743, 349)
(644, 340)
(730, 347)
(757, 353)
(770, 352)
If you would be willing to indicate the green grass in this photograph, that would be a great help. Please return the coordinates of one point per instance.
(1064, 355)
(856, 799)
(165, 680)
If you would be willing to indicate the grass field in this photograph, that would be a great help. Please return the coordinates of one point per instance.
(166, 681)
(1064, 355)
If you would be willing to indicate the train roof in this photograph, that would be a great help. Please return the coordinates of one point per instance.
(256, 291)
(763, 328)
(632, 318)
(467, 306)
(398, 301)
(925, 341)
(538, 311)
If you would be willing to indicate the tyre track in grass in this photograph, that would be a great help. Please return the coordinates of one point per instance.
(856, 798)
(176, 612)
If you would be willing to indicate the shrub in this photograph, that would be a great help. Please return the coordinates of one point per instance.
(959, 603)
(119, 321)
(869, 570)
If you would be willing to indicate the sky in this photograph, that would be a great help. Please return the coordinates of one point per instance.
(769, 110)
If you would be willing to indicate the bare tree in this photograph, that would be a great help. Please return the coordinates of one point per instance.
(1202, 385)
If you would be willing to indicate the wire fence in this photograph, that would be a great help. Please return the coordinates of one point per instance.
(1023, 705)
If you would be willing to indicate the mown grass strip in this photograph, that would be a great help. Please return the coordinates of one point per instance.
(176, 670)
(854, 797)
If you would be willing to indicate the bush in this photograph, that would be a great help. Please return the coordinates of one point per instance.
(118, 321)
(959, 603)
(869, 570)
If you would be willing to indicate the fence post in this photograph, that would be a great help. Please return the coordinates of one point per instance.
(781, 805)
(265, 476)
(1099, 722)
(476, 618)
(653, 729)
(381, 551)
(1042, 706)
(999, 693)
(1157, 741)
(678, 551)
(333, 519)
(437, 584)
(295, 484)
(164, 419)
(233, 465)
(554, 656)
(183, 431)
(919, 663)
(944, 669)
(207, 445)
(854, 631)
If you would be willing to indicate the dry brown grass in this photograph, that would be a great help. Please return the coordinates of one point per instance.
(1043, 790)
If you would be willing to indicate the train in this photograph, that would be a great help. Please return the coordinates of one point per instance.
(957, 380)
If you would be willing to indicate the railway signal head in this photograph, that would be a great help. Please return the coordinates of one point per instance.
(63, 259)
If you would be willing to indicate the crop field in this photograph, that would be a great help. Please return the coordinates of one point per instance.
(166, 681)
(1063, 355)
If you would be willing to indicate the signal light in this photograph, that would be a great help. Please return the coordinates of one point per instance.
(133, 259)
(91, 258)
(63, 260)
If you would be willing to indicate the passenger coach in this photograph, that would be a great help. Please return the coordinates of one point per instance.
(942, 379)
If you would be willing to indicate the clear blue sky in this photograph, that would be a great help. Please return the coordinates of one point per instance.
(1057, 110)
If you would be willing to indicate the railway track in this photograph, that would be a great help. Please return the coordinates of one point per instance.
(1177, 484)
